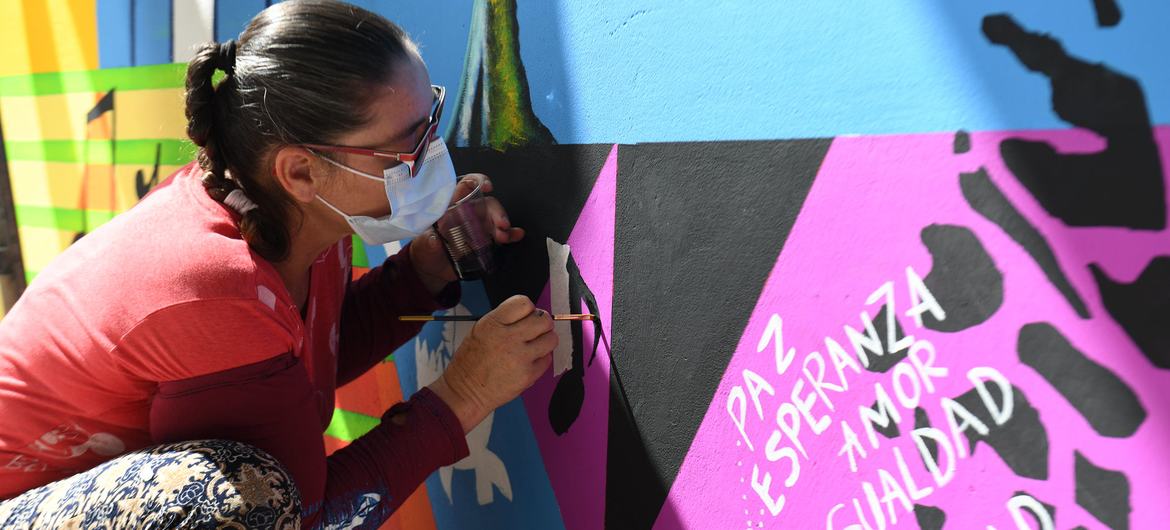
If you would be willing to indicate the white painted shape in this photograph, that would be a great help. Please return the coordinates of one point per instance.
(489, 469)
(558, 287)
(192, 25)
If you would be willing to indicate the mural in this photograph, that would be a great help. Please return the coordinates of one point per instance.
(856, 266)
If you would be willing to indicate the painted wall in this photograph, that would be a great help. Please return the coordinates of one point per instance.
(889, 265)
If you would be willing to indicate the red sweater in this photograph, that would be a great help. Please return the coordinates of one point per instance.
(163, 325)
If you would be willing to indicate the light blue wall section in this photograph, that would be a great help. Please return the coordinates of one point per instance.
(231, 16)
(687, 70)
(114, 35)
(152, 32)
(708, 70)
(440, 29)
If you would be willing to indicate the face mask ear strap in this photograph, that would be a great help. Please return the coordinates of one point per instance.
(332, 207)
(357, 172)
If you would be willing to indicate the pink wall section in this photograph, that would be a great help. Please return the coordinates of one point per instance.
(860, 228)
(576, 461)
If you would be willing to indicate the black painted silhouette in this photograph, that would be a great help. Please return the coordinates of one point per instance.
(921, 421)
(963, 278)
(1119, 186)
(987, 199)
(962, 142)
(890, 431)
(1108, 14)
(1021, 442)
(1103, 493)
(1047, 507)
(143, 186)
(1102, 398)
(102, 107)
(883, 363)
(929, 517)
(1142, 308)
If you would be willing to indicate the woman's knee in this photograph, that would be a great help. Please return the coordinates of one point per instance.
(194, 484)
(242, 482)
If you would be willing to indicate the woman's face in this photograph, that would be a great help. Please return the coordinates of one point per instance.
(399, 113)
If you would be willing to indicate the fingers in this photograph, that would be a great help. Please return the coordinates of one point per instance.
(506, 236)
(540, 366)
(544, 344)
(513, 310)
(462, 188)
(495, 215)
(502, 228)
(473, 178)
(534, 325)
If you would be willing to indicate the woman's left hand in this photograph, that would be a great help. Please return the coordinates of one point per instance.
(427, 253)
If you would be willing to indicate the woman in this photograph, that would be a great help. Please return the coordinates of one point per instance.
(176, 367)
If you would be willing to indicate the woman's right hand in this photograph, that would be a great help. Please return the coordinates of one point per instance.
(506, 351)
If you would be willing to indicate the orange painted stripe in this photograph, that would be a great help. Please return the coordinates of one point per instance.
(373, 393)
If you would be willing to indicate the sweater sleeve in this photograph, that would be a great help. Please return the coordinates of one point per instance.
(272, 406)
(370, 329)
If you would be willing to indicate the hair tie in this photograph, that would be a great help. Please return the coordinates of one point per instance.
(226, 57)
(239, 202)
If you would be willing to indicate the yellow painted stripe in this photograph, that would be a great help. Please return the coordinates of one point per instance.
(48, 36)
(75, 32)
(38, 246)
(138, 114)
(14, 53)
(143, 114)
(58, 184)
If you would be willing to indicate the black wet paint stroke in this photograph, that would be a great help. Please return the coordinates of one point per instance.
(1121, 185)
(1047, 507)
(987, 199)
(883, 363)
(1021, 442)
(1102, 398)
(1142, 308)
(1108, 13)
(569, 395)
(1104, 493)
(921, 421)
(963, 278)
(929, 517)
(962, 142)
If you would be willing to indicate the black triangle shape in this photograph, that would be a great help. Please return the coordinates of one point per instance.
(699, 228)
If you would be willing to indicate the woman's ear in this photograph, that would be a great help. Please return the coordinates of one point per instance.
(296, 170)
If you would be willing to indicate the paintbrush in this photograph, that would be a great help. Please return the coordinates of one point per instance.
(472, 318)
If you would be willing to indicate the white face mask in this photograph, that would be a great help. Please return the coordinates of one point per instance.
(415, 203)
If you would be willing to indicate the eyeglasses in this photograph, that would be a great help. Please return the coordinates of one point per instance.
(413, 158)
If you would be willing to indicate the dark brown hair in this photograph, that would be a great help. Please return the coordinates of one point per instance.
(301, 72)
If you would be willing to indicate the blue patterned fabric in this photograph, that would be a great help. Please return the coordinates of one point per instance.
(196, 484)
